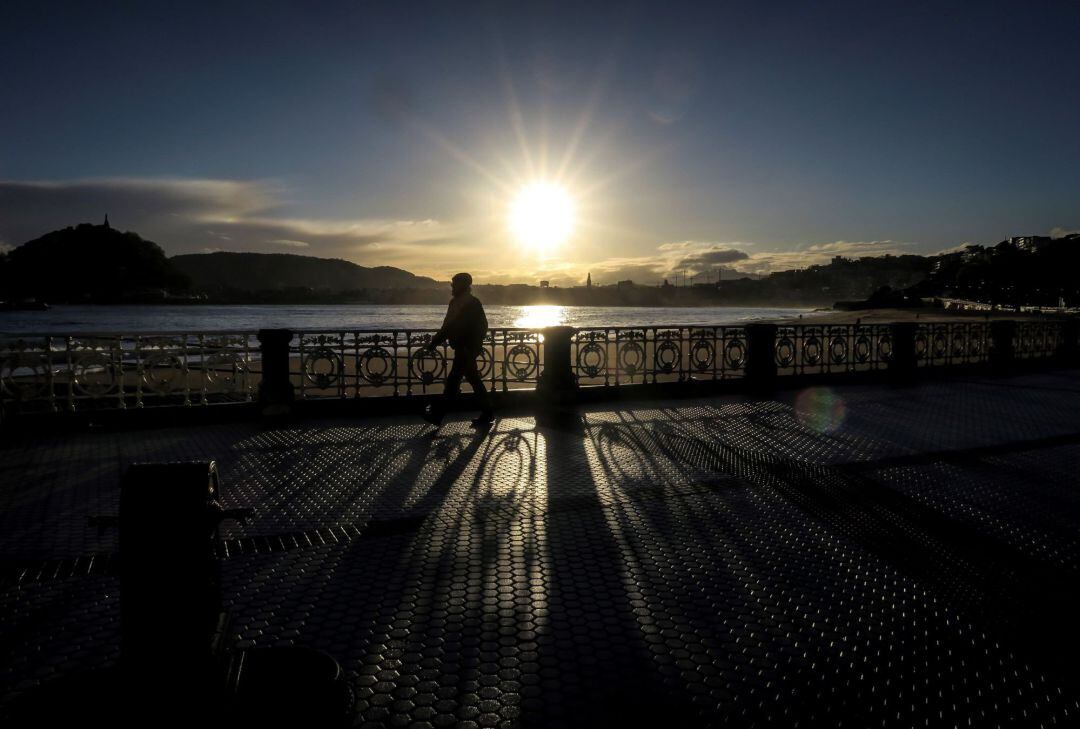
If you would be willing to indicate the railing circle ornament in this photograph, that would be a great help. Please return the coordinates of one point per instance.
(592, 359)
(884, 347)
(811, 350)
(322, 367)
(667, 356)
(163, 373)
(33, 381)
(976, 344)
(484, 363)
(921, 345)
(377, 365)
(520, 362)
(838, 350)
(427, 365)
(702, 355)
(631, 357)
(1026, 341)
(735, 353)
(940, 345)
(863, 349)
(785, 351)
(959, 344)
(94, 374)
(226, 369)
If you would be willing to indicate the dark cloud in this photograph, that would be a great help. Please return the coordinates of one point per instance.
(713, 258)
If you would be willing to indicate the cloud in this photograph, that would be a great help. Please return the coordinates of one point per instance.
(193, 215)
(821, 253)
(1061, 232)
(959, 248)
(702, 260)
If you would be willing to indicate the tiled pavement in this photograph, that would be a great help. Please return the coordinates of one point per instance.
(860, 556)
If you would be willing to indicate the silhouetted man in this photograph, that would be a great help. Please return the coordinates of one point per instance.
(465, 326)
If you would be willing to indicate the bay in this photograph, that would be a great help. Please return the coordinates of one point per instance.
(196, 318)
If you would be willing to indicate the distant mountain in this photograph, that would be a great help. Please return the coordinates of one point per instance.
(88, 263)
(213, 272)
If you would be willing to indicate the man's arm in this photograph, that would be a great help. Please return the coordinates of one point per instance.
(444, 331)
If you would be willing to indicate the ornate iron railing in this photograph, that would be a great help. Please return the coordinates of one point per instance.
(814, 350)
(55, 373)
(952, 343)
(1037, 340)
(364, 362)
(612, 356)
(51, 373)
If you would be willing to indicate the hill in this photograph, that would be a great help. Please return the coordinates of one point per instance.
(238, 272)
(88, 263)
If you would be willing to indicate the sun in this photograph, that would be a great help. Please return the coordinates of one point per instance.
(542, 216)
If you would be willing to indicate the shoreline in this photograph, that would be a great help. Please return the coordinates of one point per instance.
(898, 316)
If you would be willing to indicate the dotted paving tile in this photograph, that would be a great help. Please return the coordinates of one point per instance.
(715, 562)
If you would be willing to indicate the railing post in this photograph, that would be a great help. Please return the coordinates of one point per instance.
(276, 393)
(904, 365)
(1068, 352)
(1002, 352)
(761, 357)
(557, 383)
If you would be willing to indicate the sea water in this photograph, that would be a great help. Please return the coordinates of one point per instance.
(195, 318)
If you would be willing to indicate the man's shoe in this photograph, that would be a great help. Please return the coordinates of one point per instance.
(484, 421)
(432, 417)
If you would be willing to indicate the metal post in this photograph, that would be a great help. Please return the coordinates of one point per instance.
(761, 357)
(1068, 352)
(276, 392)
(904, 364)
(557, 383)
(1002, 351)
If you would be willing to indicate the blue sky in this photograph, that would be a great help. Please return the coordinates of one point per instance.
(399, 133)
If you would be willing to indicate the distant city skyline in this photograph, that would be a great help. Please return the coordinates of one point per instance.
(688, 137)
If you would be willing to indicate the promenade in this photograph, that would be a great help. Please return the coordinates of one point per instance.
(855, 556)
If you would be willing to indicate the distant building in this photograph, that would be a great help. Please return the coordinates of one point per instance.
(545, 284)
(625, 284)
(588, 281)
(1029, 243)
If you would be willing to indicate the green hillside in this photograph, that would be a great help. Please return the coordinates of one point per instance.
(218, 272)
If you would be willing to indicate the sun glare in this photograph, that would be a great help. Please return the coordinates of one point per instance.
(542, 216)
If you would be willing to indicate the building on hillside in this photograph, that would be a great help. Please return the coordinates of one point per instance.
(1029, 243)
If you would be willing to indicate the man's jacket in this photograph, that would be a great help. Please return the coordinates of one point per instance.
(465, 324)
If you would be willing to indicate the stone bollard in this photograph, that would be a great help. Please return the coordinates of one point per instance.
(904, 365)
(761, 357)
(276, 392)
(1002, 350)
(557, 384)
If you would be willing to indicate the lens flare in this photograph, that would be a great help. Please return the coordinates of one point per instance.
(820, 409)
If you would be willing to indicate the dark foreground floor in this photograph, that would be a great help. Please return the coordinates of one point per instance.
(856, 557)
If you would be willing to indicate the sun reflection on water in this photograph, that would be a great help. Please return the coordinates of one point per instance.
(538, 317)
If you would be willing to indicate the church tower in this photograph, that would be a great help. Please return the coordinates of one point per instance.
(588, 281)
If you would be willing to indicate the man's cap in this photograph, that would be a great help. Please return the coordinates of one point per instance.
(463, 278)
